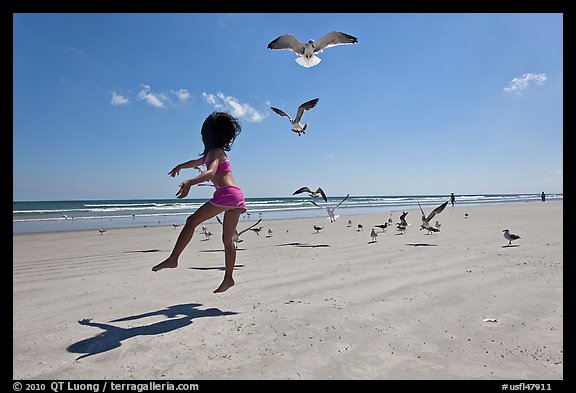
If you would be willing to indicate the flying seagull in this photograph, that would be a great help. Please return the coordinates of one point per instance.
(313, 194)
(236, 236)
(330, 210)
(307, 51)
(509, 236)
(296, 126)
(426, 220)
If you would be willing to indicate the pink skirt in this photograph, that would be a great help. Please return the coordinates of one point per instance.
(229, 197)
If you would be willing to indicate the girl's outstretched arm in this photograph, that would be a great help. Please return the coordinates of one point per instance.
(208, 174)
(188, 164)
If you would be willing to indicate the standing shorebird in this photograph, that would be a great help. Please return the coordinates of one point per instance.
(317, 228)
(509, 236)
(373, 235)
(297, 127)
(307, 51)
(256, 230)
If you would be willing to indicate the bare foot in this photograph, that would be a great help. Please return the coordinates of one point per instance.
(168, 263)
(224, 286)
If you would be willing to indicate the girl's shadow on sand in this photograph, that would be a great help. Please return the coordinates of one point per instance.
(113, 336)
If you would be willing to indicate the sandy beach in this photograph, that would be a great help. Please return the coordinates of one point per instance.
(455, 304)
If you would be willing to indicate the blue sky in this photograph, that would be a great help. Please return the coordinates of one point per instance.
(105, 105)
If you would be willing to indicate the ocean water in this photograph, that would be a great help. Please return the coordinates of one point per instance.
(47, 216)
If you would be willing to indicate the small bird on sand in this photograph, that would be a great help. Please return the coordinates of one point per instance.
(313, 194)
(360, 227)
(509, 236)
(382, 226)
(297, 127)
(269, 232)
(373, 235)
(317, 228)
(256, 230)
(102, 230)
(307, 51)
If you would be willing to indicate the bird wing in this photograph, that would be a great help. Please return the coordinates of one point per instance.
(321, 191)
(301, 190)
(332, 39)
(438, 210)
(281, 112)
(423, 215)
(315, 204)
(287, 41)
(250, 227)
(336, 207)
(304, 107)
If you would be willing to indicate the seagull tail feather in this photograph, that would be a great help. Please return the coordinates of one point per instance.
(308, 62)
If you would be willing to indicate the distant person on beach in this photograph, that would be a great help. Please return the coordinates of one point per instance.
(543, 196)
(218, 132)
(452, 198)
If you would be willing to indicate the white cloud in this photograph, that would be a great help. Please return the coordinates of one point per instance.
(522, 82)
(155, 100)
(222, 102)
(182, 94)
(118, 99)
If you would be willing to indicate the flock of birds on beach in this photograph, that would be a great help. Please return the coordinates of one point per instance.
(307, 58)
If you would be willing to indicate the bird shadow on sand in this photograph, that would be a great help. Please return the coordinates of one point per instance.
(179, 316)
(145, 251)
(221, 268)
(422, 244)
(511, 245)
(298, 244)
(221, 250)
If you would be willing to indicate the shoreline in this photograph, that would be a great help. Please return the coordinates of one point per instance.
(166, 220)
(306, 305)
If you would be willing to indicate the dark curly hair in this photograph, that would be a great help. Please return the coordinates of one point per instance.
(220, 129)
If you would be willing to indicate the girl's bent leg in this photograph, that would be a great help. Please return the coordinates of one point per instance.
(205, 212)
(231, 218)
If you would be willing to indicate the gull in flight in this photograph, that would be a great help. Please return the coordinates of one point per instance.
(426, 220)
(313, 194)
(330, 210)
(237, 234)
(509, 236)
(307, 51)
(297, 127)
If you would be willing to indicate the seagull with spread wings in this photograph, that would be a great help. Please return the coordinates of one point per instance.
(313, 194)
(307, 51)
(330, 210)
(426, 219)
(237, 234)
(297, 127)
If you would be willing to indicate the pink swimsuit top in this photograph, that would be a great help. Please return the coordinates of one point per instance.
(223, 167)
